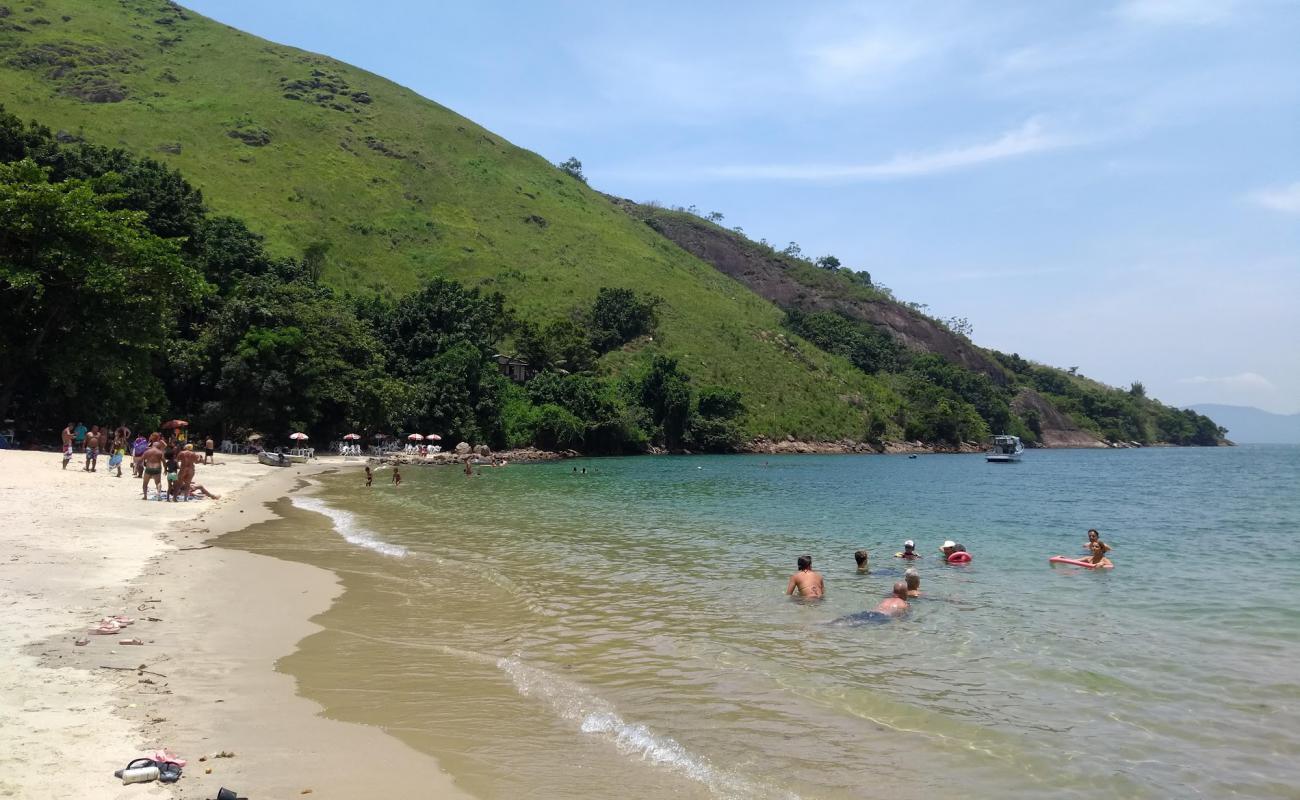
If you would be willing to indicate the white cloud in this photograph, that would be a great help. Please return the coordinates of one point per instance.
(1175, 12)
(1029, 138)
(863, 57)
(1279, 198)
(1244, 380)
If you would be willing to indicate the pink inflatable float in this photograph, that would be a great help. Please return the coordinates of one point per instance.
(1074, 562)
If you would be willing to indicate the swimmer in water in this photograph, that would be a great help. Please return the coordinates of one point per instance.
(370, 476)
(807, 582)
(1094, 536)
(397, 476)
(913, 580)
(861, 557)
(1098, 558)
(909, 551)
(949, 547)
(895, 606)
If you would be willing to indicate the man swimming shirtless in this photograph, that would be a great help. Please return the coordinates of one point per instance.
(913, 580)
(895, 606)
(807, 582)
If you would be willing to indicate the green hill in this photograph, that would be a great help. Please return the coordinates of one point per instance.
(310, 150)
(386, 190)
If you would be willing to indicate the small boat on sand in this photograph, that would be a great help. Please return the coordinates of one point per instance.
(1005, 450)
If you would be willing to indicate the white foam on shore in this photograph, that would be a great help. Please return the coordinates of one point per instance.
(597, 716)
(349, 527)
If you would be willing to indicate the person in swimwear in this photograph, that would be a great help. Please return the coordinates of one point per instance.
(861, 557)
(909, 551)
(1098, 558)
(152, 463)
(949, 547)
(895, 606)
(1094, 536)
(397, 476)
(807, 582)
(913, 580)
(370, 476)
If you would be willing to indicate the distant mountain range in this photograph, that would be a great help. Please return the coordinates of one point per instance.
(1249, 425)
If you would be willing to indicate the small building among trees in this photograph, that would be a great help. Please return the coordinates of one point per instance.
(515, 368)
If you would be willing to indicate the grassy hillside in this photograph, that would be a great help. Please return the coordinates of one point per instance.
(310, 151)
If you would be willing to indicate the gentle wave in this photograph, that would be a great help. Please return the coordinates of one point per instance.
(595, 715)
(349, 527)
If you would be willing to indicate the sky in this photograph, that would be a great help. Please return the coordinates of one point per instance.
(1112, 185)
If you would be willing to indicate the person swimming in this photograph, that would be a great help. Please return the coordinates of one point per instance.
(1098, 558)
(861, 557)
(890, 608)
(1094, 536)
(806, 582)
(909, 551)
(913, 580)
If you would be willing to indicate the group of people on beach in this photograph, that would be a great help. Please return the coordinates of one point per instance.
(151, 458)
(808, 583)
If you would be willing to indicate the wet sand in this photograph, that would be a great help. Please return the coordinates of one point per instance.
(79, 546)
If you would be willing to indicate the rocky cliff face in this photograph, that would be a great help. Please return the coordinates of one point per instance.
(1056, 429)
(777, 279)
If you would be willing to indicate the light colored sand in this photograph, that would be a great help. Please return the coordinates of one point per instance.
(76, 546)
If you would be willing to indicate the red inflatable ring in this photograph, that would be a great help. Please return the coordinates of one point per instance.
(959, 558)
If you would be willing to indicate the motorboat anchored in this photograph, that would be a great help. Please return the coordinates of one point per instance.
(1005, 450)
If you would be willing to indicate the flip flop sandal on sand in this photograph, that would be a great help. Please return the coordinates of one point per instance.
(106, 628)
(168, 772)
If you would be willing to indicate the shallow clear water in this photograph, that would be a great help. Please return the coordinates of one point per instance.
(624, 633)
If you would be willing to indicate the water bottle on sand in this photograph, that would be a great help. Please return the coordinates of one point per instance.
(140, 774)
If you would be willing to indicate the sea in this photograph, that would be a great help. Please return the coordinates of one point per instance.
(604, 628)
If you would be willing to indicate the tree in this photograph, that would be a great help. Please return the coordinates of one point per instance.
(792, 250)
(828, 262)
(572, 167)
(620, 315)
(715, 216)
(960, 326)
(664, 390)
(1137, 389)
(88, 295)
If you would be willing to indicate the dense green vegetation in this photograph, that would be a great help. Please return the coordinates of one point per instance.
(125, 299)
(380, 190)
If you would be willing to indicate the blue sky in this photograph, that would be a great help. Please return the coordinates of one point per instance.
(1108, 185)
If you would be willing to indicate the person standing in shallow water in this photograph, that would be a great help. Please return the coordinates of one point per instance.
(397, 476)
(895, 606)
(861, 557)
(806, 582)
(370, 476)
(913, 580)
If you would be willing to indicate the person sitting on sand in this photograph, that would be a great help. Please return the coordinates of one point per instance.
(370, 476)
(152, 466)
(896, 605)
(1098, 558)
(913, 580)
(909, 551)
(193, 489)
(807, 582)
(397, 476)
(861, 557)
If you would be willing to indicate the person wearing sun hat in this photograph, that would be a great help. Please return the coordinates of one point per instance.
(909, 551)
(949, 547)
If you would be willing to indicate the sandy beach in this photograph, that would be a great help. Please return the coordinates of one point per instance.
(79, 546)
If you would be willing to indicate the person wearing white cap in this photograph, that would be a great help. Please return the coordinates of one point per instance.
(949, 547)
(909, 551)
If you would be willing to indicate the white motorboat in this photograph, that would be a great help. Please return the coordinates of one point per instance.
(1005, 450)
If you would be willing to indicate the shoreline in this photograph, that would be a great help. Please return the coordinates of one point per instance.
(216, 623)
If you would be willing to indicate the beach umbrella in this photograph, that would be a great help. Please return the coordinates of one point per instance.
(433, 437)
(381, 436)
(415, 437)
(299, 436)
(350, 437)
(253, 437)
(175, 423)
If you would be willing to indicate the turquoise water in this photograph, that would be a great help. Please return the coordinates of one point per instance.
(625, 632)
